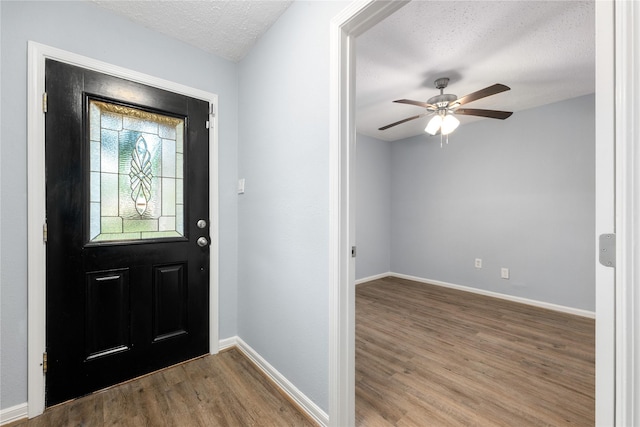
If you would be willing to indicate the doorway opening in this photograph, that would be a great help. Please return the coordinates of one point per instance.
(345, 28)
(493, 192)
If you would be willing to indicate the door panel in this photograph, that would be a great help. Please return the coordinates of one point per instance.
(107, 320)
(170, 302)
(126, 182)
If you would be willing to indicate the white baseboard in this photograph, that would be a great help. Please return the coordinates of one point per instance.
(14, 413)
(313, 410)
(541, 304)
(374, 277)
(227, 343)
(285, 385)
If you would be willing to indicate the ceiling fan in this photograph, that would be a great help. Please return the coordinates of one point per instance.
(445, 106)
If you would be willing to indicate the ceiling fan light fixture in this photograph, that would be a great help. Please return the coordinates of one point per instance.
(434, 125)
(449, 124)
(445, 104)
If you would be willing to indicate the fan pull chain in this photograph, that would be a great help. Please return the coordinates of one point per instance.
(446, 140)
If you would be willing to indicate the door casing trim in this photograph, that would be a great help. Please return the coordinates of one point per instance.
(344, 28)
(36, 213)
(627, 214)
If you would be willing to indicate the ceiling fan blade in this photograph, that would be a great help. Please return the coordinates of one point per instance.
(418, 103)
(482, 93)
(402, 121)
(492, 114)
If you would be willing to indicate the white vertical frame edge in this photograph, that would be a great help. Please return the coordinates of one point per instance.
(352, 21)
(627, 164)
(36, 215)
(604, 209)
(36, 303)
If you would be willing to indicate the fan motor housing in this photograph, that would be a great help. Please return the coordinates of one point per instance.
(442, 101)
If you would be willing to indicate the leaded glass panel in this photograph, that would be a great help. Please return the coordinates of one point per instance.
(136, 174)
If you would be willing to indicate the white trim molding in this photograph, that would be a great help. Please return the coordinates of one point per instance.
(627, 167)
(13, 413)
(604, 212)
(306, 404)
(227, 343)
(373, 277)
(521, 300)
(36, 303)
(355, 19)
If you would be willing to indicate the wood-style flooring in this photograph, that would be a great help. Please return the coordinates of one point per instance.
(432, 356)
(220, 390)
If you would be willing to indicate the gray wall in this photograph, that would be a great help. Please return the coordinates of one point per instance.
(86, 29)
(518, 194)
(283, 218)
(373, 206)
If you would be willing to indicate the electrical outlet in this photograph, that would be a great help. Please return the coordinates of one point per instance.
(478, 263)
(504, 273)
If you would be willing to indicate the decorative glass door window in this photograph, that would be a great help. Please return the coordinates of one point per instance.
(136, 174)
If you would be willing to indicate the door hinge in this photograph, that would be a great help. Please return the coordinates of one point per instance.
(45, 232)
(607, 250)
(44, 363)
(212, 114)
(45, 102)
(353, 251)
(207, 124)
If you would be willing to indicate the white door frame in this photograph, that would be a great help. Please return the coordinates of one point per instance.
(627, 213)
(614, 391)
(605, 213)
(354, 20)
(36, 212)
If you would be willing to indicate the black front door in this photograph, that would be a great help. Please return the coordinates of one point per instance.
(127, 185)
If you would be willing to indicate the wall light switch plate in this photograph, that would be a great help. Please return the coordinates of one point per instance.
(241, 186)
(504, 273)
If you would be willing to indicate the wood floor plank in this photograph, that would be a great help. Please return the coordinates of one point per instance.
(432, 356)
(425, 356)
(119, 406)
(218, 390)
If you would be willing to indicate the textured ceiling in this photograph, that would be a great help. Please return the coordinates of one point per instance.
(544, 51)
(226, 28)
